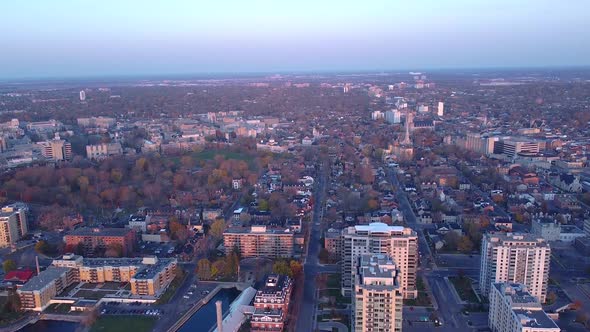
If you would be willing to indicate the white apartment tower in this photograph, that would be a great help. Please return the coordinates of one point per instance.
(82, 95)
(514, 309)
(515, 258)
(440, 111)
(400, 243)
(378, 300)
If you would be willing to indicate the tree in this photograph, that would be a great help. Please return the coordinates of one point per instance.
(178, 231)
(114, 250)
(231, 264)
(217, 228)
(8, 265)
(582, 318)
(465, 245)
(551, 297)
(263, 205)
(217, 268)
(90, 318)
(451, 240)
(281, 267)
(296, 268)
(204, 269)
(41, 247)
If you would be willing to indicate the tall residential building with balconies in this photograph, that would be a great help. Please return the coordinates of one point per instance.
(515, 258)
(400, 243)
(259, 241)
(13, 223)
(514, 309)
(378, 299)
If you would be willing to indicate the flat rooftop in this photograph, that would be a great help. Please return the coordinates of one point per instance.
(534, 319)
(259, 230)
(274, 284)
(44, 278)
(517, 239)
(86, 231)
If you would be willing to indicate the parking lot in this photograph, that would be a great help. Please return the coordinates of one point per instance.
(136, 308)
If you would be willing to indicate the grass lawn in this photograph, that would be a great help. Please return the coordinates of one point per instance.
(123, 324)
(464, 289)
(92, 295)
(339, 299)
(7, 317)
(334, 280)
(111, 286)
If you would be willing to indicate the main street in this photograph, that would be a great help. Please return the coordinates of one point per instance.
(306, 317)
(445, 300)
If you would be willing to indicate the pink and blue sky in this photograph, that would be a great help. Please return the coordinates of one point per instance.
(67, 38)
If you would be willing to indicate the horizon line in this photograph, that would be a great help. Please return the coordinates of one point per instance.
(310, 72)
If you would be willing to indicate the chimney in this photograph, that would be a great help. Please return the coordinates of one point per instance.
(219, 316)
(37, 264)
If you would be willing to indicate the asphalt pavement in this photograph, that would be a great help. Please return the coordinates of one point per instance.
(306, 320)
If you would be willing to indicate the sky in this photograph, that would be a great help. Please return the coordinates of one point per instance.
(81, 38)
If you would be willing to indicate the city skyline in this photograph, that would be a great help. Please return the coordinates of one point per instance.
(63, 39)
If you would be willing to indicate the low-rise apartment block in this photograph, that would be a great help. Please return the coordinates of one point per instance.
(101, 238)
(259, 241)
(37, 293)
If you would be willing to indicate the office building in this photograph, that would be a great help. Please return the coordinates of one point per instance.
(56, 149)
(514, 309)
(101, 239)
(515, 258)
(378, 298)
(271, 304)
(104, 150)
(511, 146)
(546, 228)
(440, 111)
(400, 243)
(259, 241)
(13, 223)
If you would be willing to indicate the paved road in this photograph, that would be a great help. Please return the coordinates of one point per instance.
(306, 318)
(409, 216)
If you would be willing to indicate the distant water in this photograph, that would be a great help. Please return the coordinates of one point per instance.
(204, 319)
(51, 326)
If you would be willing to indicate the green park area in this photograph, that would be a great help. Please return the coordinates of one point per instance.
(123, 324)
